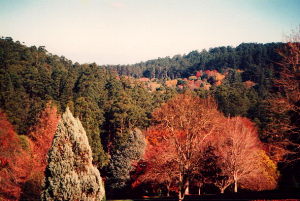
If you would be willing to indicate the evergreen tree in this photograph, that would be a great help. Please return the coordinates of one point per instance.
(70, 174)
(92, 117)
(122, 159)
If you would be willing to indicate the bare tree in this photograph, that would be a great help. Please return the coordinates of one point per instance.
(238, 149)
(285, 109)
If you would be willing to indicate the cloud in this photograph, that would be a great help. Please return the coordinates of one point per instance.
(117, 4)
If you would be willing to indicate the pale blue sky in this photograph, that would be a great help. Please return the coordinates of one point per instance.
(130, 31)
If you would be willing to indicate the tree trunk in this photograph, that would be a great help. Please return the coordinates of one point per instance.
(187, 187)
(199, 190)
(222, 190)
(235, 186)
(235, 177)
(180, 196)
(168, 190)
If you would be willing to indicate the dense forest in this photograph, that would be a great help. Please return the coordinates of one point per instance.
(251, 57)
(167, 139)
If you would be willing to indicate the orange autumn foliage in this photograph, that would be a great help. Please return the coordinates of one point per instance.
(285, 109)
(22, 159)
(171, 83)
(248, 84)
(184, 125)
(42, 135)
(160, 166)
(242, 158)
(15, 163)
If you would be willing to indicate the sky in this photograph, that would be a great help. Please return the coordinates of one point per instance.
(130, 31)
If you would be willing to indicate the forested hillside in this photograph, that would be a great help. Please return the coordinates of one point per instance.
(31, 77)
(252, 63)
(251, 57)
(118, 106)
(108, 106)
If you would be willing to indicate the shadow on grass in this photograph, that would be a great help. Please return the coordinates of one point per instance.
(288, 195)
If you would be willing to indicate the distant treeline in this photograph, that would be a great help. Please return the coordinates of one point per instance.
(251, 57)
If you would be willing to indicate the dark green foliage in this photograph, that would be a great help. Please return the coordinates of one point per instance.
(28, 81)
(30, 77)
(209, 169)
(92, 118)
(122, 158)
(90, 96)
(128, 106)
(246, 56)
(233, 100)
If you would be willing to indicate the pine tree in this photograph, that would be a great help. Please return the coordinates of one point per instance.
(70, 174)
(122, 159)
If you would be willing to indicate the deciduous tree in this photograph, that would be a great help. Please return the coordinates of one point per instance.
(263, 176)
(160, 166)
(238, 151)
(186, 123)
(15, 163)
(41, 136)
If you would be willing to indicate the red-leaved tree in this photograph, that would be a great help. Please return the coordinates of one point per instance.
(41, 136)
(284, 129)
(183, 126)
(240, 155)
(15, 163)
(160, 166)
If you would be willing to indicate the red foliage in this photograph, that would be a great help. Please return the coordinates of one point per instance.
(198, 74)
(211, 73)
(42, 135)
(8, 138)
(248, 84)
(15, 166)
(159, 164)
(184, 125)
(218, 83)
(41, 139)
(19, 166)
(198, 83)
(238, 149)
(144, 79)
(285, 109)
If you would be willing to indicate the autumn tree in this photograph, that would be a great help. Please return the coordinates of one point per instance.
(70, 174)
(14, 161)
(238, 151)
(285, 107)
(208, 171)
(283, 130)
(186, 123)
(263, 176)
(41, 136)
(160, 166)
